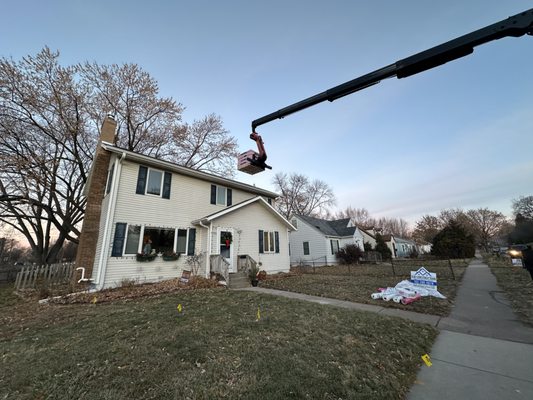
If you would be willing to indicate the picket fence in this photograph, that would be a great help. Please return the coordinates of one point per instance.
(47, 275)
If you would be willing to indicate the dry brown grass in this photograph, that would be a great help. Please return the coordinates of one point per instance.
(357, 282)
(215, 348)
(514, 281)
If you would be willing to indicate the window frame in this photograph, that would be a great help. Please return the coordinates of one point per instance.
(218, 194)
(126, 236)
(333, 252)
(161, 183)
(186, 241)
(308, 248)
(271, 241)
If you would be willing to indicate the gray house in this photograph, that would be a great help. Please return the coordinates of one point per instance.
(317, 240)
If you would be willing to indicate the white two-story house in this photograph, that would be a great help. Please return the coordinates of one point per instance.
(138, 204)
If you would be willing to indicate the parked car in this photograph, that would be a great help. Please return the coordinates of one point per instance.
(515, 250)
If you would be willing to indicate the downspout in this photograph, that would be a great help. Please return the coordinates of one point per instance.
(208, 250)
(110, 213)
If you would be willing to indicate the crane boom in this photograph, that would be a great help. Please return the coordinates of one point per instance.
(515, 26)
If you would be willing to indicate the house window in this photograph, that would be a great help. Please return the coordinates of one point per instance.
(334, 246)
(110, 179)
(162, 239)
(221, 196)
(268, 241)
(306, 248)
(181, 246)
(132, 239)
(294, 223)
(155, 182)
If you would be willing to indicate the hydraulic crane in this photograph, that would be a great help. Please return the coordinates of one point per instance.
(515, 26)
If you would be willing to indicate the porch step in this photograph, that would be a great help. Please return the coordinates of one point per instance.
(238, 280)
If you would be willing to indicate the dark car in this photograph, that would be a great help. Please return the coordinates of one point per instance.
(515, 250)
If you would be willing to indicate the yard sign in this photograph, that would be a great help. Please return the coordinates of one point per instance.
(423, 278)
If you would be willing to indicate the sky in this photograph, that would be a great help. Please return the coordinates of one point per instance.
(456, 136)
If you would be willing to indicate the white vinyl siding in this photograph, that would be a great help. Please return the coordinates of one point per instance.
(153, 211)
(250, 220)
(318, 245)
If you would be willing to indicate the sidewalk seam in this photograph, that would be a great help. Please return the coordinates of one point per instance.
(481, 370)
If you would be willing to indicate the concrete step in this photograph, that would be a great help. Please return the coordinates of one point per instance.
(238, 280)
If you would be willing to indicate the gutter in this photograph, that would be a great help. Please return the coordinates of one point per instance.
(110, 213)
(208, 251)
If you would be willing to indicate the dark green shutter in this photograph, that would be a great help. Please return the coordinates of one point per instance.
(213, 194)
(166, 185)
(261, 242)
(228, 199)
(141, 180)
(192, 242)
(276, 241)
(331, 245)
(118, 241)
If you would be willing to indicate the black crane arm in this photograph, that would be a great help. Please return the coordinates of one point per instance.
(514, 26)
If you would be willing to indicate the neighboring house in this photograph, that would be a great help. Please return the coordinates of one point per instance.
(404, 247)
(317, 240)
(136, 203)
(369, 236)
(424, 247)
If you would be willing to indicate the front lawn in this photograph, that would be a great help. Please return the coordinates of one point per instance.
(514, 281)
(216, 348)
(357, 282)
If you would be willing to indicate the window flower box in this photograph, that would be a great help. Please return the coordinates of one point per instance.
(146, 257)
(170, 256)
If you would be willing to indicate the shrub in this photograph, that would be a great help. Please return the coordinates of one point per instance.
(453, 242)
(382, 248)
(349, 254)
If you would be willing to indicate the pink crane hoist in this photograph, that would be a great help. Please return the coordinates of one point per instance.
(515, 26)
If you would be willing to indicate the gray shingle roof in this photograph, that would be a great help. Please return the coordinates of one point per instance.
(330, 228)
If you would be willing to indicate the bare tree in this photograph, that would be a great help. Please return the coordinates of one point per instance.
(523, 206)
(45, 148)
(49, 121)
(206, 145)
(486, 224)
(359, 216)
(427, 228)
(149, 124)
(393, 226)
(299, 195)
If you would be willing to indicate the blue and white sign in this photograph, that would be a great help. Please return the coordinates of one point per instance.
(423, 278)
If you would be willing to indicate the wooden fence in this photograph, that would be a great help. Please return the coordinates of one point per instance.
(47, 275)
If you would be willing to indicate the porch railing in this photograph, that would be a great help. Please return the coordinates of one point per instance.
(219, 265)
(245, 262)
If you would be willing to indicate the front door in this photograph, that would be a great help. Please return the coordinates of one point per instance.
(226, 247)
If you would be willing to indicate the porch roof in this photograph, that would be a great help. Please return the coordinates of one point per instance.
(238, 206)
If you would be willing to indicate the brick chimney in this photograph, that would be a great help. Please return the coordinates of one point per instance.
(95, 190)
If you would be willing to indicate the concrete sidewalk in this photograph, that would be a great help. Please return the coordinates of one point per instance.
(482, 352)
(489, 354)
